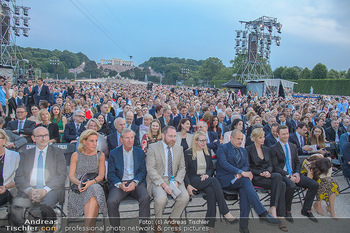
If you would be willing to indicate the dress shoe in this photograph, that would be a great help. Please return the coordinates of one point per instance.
(270, 219)
(309, 215)
(174, 225)
(157, 227)
(234, 221)
(243, 230)
(289, 217)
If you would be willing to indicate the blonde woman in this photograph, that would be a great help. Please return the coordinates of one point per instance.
(147, 119)
(45, 119)
(91, 199)
(67, 111)
(153, 135)
(199, 177)
(9, 161)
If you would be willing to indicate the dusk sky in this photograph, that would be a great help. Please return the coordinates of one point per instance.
(313, 31)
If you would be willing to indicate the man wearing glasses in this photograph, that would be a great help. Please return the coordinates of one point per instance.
(42, 171)
(75, 128)
(22, 126)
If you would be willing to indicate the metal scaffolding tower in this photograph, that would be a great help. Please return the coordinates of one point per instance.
(14, 22)
(254, 45)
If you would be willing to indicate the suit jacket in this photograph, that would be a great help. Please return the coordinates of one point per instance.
(227, 120)
(293, 138)
(344, 138)
(270, 140)
(155, 165)
(43, 95)
(28, 128)
(28, 100)
(162, 122)
(116, 166)
(212, 137)
(346, 159)
(279, 158)
(191, 166)
(110, 121)
(139, 121)
(135, 128)
(257, 165)
(188, 139)
(55, 170)
(267, 129)
(290, 128)
(11, 163)
(70, 131)
(294, 126)
(16, 139)
(330, 133)
(227, 164)
(12, 106)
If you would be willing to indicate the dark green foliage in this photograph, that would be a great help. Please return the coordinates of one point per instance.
(290, 73)
(305, 73)
(319, 71)
(277, 73)
(323, 86)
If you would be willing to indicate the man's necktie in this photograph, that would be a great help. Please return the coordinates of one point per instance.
(77, 129)
(289, 169)
(20, 125)
(170, 163)
(238, 156)
(301, 141)
(40, 172)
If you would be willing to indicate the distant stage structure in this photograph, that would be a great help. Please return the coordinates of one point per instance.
(253, 44)
(14, 21)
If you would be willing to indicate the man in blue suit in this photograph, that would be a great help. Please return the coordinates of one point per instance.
(232, 163)
(272, 138)
(183, 114)
(127, 176)
(344, 138)
(73, 129)
(41, 91)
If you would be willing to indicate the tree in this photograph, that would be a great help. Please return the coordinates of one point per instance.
(290, 73)
(210, 67)
(319, 71)
(224, 74)
(333, 74)
(305, 73)
(348, 74)
(277, 73)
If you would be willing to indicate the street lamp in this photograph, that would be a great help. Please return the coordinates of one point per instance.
(184, 71)
(55, 62)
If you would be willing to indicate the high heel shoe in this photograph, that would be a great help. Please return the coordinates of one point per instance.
(333, 215)
(231, 222)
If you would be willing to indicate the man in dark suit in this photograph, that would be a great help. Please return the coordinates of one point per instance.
(334, 132)
(182, 114)
(73, 129)
(126, 108)
(298, 138)
(41, 91)
(21, 126)
(28, 100)
(285, 161)
(127, 176)
(129, 123)
(212, 137)
(282, 121)
(232, 162)
(267, 128)
(228, 116)
(108, 116)
(42, 171)
(295, 121)
(114, 140)
(272, 138)
(166, 118)
(333, 116)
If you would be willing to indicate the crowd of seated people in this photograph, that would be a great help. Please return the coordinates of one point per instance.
(143, 142)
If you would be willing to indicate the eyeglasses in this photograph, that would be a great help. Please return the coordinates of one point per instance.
(79, 116)
(42, 136)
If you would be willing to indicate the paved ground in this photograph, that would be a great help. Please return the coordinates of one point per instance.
(326, 223)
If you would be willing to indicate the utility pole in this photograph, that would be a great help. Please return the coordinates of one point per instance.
(55, 62)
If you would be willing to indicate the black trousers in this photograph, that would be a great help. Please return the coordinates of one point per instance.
(304, 182)
(116, 196)
(5, 198)
(278, 191)
(212, 187)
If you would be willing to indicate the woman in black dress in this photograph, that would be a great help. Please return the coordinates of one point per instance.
(199, 172)
(105, 130)
(45, 119)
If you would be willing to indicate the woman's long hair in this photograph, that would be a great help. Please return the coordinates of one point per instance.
(159, 132)
(58, 119)
(320, 166)
(211, 125)
(194, 147)
(318, 141)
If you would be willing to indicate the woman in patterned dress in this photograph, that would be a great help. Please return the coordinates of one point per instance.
(91, 199)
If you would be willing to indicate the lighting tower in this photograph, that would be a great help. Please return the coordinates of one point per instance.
(254, 45)
(14, 22)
